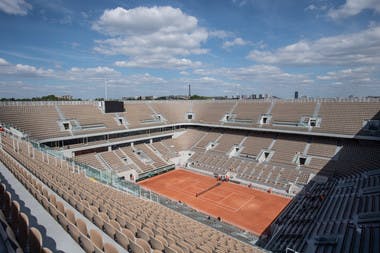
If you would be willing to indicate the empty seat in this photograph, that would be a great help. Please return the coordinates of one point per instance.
(13, 216)
(141, 234)
(156, 244)
(109, 248)
(60, 207)
(122, 239)
(23, 229)
(96, 238)
(12, 238)
(128, 233)
(86, 244)
(73, 231)
(63, 220)
(70, 216)
(82, 226)
(34, 240)
(135, 248)
(144, 244)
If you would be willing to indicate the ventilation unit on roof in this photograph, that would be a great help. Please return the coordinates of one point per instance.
(310, 122)
(302, 159)
(211, 145)
(264, 156)
(314, 122)
(121, 121)
(65, 125)
(235, 151)
(265, 119)
(190, 116)
(228, 117)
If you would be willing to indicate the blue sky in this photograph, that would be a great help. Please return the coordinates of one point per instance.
(317, 47)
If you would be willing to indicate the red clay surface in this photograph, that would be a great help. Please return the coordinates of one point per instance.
(250, 209)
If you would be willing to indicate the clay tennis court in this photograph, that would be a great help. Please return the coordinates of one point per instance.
(250, 209)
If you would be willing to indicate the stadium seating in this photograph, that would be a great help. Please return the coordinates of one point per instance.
(330, 169)
(93, 200)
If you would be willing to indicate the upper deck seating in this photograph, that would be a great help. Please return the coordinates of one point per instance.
(246, 110)
(346, 117)
(210, 112)
(139, 115)
(292, 112)
(89, 115)
(39, 122)
(173, 111)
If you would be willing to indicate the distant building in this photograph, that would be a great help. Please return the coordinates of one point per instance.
(66, 97)
(296, 95)
(260, 96)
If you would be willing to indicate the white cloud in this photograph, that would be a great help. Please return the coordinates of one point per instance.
(22, 70)
(184, 73)
(144, 20)
(15, 7)
(316, 7)
(3, 62)
(220, 34)
(19, 71)
(311, 7)
(164, 34)
(168, 63)
(360, 81)
(351, 75)
(236, 42)
(136, 80)
(96, 73)
(266, 76)
(75, 78)
(354, 7)
(355, 48)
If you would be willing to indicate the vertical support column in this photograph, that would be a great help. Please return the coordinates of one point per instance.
(109, 148)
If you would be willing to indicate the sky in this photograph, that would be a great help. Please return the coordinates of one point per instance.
(319, 48)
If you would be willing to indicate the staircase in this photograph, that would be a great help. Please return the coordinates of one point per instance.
(60, 113)
(271, 107)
